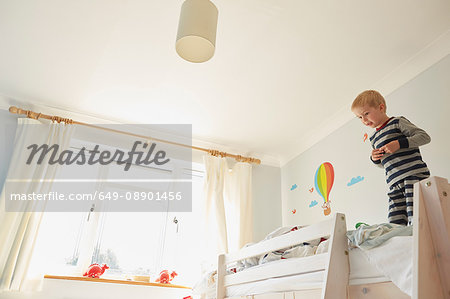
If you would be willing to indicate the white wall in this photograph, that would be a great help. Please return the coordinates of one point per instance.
(266, 200)
(425, 101)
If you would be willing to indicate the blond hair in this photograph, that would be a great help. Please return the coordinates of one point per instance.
(370, 98)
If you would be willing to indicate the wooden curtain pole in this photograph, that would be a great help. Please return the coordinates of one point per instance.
(58, 119)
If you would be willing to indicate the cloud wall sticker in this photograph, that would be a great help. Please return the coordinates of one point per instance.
(355, 180)
(313, 203)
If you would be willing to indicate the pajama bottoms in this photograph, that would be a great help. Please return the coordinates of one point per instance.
(401, 200)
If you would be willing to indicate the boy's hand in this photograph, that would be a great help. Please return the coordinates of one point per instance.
(377, 154)
(391, 147)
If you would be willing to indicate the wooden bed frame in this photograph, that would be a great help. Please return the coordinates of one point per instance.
(431, 275)
(431, 272)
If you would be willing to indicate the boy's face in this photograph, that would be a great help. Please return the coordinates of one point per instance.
(371, 116)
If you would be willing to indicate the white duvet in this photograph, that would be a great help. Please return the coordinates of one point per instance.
(394, 258)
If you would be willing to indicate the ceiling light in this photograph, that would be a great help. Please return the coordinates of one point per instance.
(196, 38)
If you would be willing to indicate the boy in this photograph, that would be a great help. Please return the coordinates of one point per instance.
(395, 144)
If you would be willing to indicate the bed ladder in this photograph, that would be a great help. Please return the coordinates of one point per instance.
(338, 267)
(431, 233)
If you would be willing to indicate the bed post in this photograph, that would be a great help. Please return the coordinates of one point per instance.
(431, 231)
(221, 272)
(338, 267)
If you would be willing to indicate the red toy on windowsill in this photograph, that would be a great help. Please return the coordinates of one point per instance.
(165, 277)
(95, 270)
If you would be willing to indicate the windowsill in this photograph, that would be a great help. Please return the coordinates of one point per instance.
(117, 281)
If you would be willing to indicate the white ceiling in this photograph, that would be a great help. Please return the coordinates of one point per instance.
(283, 75)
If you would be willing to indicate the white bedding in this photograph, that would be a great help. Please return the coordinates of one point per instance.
(394, 259)
(369, 266)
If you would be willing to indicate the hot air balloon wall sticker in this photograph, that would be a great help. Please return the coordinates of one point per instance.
(323, 182)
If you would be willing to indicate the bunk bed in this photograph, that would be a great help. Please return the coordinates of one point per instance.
(430, 258)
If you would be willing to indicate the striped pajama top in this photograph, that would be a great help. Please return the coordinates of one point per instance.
(407, 161)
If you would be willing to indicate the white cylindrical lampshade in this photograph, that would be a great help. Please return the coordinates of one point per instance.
(196, 38)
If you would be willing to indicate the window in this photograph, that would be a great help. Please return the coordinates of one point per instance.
(130, 243)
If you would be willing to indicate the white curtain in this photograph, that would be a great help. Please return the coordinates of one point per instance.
(238, 196)
(228, 206)
(18, 230)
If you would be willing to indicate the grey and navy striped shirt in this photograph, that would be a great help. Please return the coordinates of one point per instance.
(406, 161)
